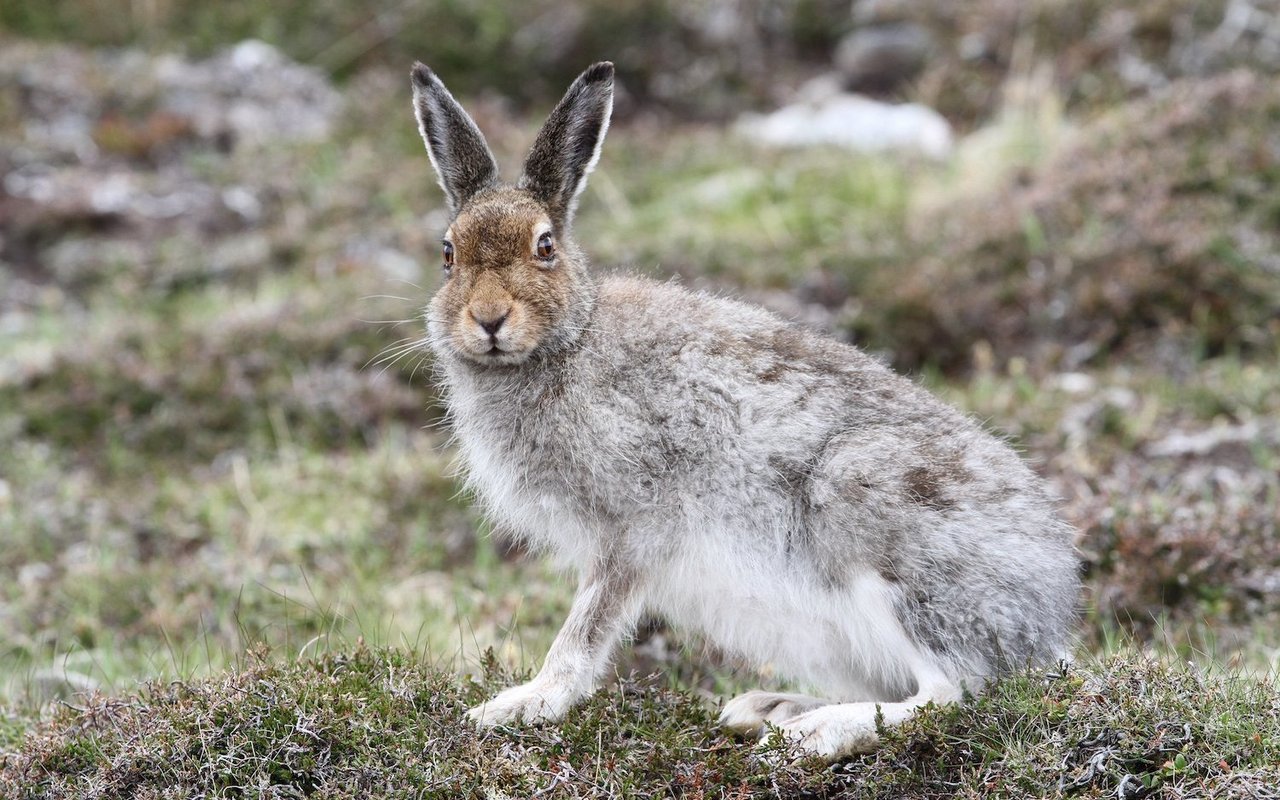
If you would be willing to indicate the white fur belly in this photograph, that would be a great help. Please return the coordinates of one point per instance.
(845, 641)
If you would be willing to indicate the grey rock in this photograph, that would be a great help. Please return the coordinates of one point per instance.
(882, 57)
(251, 93)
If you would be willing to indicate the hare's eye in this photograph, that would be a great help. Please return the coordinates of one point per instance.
(448, 256)
(546, 249)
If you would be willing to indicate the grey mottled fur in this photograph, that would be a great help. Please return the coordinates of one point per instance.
(782, 493)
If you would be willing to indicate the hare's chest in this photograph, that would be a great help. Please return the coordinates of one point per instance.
(521, 487)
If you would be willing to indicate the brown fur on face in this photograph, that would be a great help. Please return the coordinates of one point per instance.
(498, 279)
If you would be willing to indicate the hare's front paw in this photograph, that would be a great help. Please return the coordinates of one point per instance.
(530, 702)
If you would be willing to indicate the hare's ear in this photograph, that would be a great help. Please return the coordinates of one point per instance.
(457, 148)
(568, 146)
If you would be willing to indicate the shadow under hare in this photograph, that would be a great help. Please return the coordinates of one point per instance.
(780, 493)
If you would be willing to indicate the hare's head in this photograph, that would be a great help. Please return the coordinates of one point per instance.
(515, 283)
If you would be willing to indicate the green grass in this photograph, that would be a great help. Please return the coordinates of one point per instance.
(770, 220)
(306, 551)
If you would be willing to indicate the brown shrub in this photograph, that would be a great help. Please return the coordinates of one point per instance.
(1161, 222)
(1168, 544)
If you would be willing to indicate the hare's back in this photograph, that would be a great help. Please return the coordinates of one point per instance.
(759, 397)
(763, 366)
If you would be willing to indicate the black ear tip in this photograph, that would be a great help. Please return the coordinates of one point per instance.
(422, 75)
(601, 71)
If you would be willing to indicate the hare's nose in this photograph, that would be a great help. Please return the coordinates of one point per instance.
(490, 322)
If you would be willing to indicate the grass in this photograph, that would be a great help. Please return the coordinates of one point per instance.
(773, 220)
(225, 503)
(305, 552)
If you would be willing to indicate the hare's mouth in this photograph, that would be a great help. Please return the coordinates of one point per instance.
(495, 355)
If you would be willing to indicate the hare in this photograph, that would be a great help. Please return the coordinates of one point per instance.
(783, 494)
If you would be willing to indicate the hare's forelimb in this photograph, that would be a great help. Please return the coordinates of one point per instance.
(605, 608)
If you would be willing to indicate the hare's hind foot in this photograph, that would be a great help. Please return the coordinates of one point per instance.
(842, 729)
(748, 713)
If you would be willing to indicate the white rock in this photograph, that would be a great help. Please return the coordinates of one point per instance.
(854, 122)
(242, 201)
(1075, 383)
(1202, 442)
(254, 54)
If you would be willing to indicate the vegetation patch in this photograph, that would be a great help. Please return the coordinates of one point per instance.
(1157, 225)
(1172, 480)
(1098, 54)
(203, 375)
(382, 721)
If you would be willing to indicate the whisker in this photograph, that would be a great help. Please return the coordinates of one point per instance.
(399, 352)
(393, 363)
(421, 361)
(396, 343)
(409, 283)
(396, 351)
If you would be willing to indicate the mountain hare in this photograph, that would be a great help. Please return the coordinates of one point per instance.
(781, 493)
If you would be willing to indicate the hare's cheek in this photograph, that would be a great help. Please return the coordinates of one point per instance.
(446, 321)
(439, 321)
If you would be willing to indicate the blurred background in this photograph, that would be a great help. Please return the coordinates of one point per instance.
(218, 229)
